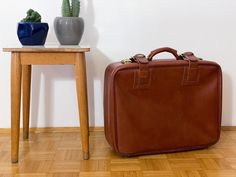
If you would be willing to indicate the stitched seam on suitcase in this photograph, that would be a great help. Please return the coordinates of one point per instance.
(106, 106)
(111, 123)
(186, 148)
(115, 141)
(220, 98)
(218, 123)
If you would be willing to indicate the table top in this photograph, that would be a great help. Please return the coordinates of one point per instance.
(47, 48)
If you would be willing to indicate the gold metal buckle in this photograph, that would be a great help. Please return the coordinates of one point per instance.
(126, 61)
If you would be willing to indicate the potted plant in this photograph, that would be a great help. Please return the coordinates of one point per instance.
(31, 31)
(70, 27)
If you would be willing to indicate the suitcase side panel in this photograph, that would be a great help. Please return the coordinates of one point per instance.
(107, 95)
(109, 115)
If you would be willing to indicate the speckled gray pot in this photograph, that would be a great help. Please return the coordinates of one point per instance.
(69, 30)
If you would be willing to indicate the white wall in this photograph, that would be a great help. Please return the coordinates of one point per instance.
(115, 30)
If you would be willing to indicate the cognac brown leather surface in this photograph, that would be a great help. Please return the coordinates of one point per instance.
(156, 106)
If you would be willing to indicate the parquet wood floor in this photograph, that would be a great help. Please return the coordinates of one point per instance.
(60, 155)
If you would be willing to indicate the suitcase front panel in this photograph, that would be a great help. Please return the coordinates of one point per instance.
(168, 115)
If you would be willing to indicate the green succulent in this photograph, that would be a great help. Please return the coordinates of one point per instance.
(70, 8)
(32, 16)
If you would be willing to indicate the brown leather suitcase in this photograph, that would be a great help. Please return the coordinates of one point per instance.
(157, 106)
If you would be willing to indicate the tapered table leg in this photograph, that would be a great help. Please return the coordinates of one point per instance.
(80, 72)
(26, 81)
(15, 105)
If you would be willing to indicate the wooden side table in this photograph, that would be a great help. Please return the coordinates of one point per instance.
(21, 61)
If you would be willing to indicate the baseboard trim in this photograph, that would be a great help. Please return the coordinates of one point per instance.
(228, 128)
(54, 130)
(77, 129)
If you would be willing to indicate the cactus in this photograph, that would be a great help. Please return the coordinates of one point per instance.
(70, 8)
(32, 16)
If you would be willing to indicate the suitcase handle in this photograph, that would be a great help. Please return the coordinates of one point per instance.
(164, 49)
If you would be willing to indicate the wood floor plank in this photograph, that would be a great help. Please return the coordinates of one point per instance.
(65, 167)
(63, 175)
(60, 155)
(158, 174)
(31, 175)
(155, 164)
(127, 174)
(189, 173)
(95, 165)
(125, 165)
(220, 173)
(95, 174)
(185, 164)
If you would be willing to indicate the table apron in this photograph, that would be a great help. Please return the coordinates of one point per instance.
(53, 58)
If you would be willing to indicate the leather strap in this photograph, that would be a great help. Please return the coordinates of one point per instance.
(164, 49)
(191, 73)
(189, 55)
(142, 77)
